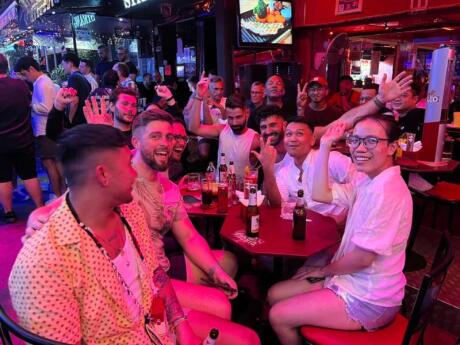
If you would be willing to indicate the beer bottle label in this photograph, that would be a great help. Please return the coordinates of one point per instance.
(255, 224)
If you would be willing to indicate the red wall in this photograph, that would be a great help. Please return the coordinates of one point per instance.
(322, 12)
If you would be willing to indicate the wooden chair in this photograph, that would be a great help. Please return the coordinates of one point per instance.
(401, 331)
(7, 326)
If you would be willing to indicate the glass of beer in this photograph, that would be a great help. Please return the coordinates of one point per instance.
(222, 197)
(206, 193)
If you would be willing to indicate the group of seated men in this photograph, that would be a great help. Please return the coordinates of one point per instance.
(97, 266)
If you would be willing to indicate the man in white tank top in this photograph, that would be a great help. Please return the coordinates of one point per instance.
(236, 140)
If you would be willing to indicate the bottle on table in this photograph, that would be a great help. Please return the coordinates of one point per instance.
(299, 218)
(211, 339)
(210, 172)
(252, 214)
(232, 183)
(223, 170)
(222, 197)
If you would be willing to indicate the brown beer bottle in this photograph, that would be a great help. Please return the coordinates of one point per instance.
(223, 170)
(252, 214)
(299, 218)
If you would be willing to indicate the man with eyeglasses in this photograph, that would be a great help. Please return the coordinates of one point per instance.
(176, 168)
(257, 100)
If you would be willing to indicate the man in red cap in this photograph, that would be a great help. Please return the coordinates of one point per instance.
(317, 112)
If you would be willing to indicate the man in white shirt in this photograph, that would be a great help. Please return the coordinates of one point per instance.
(43, 96)
(298, 173)
(86, 69)
(236, 140)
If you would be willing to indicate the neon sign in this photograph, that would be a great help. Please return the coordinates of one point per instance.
(133, 3)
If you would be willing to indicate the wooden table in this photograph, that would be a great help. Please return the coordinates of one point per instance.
(275, 235)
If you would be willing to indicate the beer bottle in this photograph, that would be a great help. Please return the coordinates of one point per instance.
(223, 169)
(299, 218)
(210, 172)
(211, 339)
(252, 215)
(231, 182)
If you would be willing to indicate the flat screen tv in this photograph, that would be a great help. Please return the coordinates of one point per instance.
(264, 23)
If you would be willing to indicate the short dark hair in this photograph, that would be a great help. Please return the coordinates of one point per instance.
(147, 116)
(75, 145)
(123, 69)
(110, 79)
(301, 119)
(121, 90)
(416, 88)
(73, 58)
(24, 63)
(266, 111)
(3, 64)
(391, 127)
(150, 74)
(102, 46)
(88, 63)
(346, 77)
(235, 101)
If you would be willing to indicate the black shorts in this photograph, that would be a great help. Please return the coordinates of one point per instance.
(46, 148)
(23, 162)
(176, 256)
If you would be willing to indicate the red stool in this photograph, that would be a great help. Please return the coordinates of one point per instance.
(401, 331)
(448, 194)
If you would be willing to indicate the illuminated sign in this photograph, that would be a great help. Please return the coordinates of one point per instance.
(83, 19)
(133, 3)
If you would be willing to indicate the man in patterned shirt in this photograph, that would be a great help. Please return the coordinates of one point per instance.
(91, 274)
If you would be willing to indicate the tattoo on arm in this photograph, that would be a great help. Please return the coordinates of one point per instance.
(212, 272)
(167, 293)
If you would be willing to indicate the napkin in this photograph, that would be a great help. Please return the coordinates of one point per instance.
(245, 202)
(417, 146)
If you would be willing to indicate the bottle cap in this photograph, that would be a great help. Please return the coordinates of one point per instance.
(214, 333)
(300, 193)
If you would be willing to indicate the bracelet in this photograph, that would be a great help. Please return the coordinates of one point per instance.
(179, 320)
(170, 99)
(378, 103)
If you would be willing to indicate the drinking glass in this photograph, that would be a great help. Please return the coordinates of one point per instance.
(206, 193)
(193, 182)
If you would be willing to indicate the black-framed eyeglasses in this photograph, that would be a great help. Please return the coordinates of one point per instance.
(370, 143)
(183, 138)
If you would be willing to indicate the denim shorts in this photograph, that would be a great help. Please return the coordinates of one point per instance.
(369, 316)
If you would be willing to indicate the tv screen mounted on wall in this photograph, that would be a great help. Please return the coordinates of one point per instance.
(264, 23)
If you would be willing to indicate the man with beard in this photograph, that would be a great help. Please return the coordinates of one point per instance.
(91, 274)
(123, 109)
(317, 112)
(236, 140)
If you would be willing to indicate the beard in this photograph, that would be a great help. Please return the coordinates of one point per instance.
(122, 119)
(238, 129)
(149, 159)
(277, 138)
